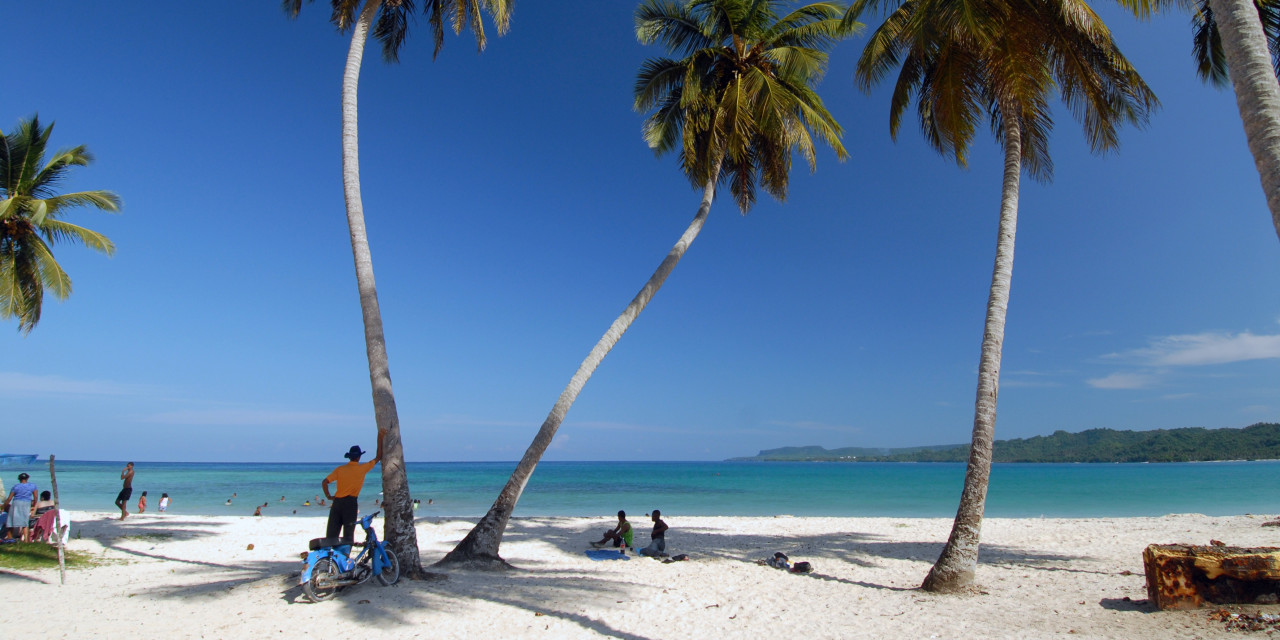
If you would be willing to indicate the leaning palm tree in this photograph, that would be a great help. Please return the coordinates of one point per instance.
(966, 59)
(1240, 40)
(1206, 40)
(30, 220)
(390, 21)
(738, 102)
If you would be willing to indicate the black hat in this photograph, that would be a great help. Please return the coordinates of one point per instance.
(354, 453)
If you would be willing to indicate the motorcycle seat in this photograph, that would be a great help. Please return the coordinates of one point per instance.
(323, 543)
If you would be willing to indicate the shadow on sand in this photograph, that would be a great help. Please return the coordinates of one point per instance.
(536, 586)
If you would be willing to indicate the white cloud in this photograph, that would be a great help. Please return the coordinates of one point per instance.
(1206, 348)
(256, 417)
(1121, 381)
(12, 383)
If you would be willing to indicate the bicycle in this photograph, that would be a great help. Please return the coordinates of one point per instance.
(330, 566)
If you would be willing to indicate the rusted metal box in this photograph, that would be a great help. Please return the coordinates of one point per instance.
(1187, 577)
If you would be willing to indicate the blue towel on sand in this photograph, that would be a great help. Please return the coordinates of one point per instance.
(605, 554)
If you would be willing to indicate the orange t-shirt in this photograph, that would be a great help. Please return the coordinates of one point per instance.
(350, 478)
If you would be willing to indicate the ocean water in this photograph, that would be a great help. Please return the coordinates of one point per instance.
(466, 489)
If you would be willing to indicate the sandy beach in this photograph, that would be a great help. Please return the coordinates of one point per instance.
(195, 577)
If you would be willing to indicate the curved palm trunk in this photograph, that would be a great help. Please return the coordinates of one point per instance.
(959, 560)
(1257, 93)
(398, 527)
(480, 547)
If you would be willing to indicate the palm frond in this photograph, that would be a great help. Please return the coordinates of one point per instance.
(103, 200)
(670, 23)
(391, 29)
(59, 231)
(52, 277)
(740, 99)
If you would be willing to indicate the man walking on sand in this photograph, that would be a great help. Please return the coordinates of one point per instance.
(350, 479)
(126, 492)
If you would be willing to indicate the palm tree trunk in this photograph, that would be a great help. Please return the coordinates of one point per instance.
(480, 547)
(955, 568)
(1257, 93)
(398, 529)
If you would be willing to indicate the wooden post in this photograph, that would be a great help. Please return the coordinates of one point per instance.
(57, 523)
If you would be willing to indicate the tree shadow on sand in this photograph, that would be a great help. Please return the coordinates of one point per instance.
(533, 591)
(126, 536)
(855, 548)
(540, 590)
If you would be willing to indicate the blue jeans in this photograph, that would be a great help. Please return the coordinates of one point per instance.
(656, 548)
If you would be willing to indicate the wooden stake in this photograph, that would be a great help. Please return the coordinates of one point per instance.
(57, 523)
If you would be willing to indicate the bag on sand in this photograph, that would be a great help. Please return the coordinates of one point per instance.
(802, 567)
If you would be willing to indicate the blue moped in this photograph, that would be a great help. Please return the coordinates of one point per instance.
(330, 566)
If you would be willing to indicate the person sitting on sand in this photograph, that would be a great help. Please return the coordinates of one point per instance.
(658, 538)
(620, 535)
(44, 505)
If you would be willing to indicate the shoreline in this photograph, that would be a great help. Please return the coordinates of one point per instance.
(192, 576)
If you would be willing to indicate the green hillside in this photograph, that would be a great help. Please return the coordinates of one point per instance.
(1257, 442)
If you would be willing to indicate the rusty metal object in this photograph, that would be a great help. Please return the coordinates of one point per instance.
(1188, 577)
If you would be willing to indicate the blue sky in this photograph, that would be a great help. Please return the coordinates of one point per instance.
(514, 210)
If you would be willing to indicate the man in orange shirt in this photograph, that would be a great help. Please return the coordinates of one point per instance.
(350, 479)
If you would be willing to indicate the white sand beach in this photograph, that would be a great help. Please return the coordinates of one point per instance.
(194, 577)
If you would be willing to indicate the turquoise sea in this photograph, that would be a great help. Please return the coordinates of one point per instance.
(466, 489)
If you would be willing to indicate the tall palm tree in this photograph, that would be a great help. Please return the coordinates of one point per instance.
(30, 220)
(1240, 40)
(391, 28)
(738, 102)
(966, 59)
(1206, 40)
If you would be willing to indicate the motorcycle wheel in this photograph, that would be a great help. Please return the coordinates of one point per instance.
(323, 582)
(391, 570)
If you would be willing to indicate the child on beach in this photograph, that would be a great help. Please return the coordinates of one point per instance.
(164, 502)
(142, 502)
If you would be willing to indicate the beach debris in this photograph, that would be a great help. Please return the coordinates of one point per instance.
(363, 602)
(1216, 543)
(1189, 577)
(1234, 621)
(1271, 523)
(249, 548)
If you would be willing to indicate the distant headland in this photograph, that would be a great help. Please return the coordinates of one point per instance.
(1260, 441)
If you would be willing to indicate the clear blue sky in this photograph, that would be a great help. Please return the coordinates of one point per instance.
(514, 210)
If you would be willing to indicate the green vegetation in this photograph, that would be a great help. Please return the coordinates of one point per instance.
(1257, 442)
(30, 224)
(41, 555)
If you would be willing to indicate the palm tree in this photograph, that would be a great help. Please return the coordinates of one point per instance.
(30, 220)
(1211, 59)
(999, 58)
(738, 102)
(1243, 37)
(391, 29)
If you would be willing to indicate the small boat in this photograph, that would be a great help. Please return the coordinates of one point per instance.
(16, 459)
